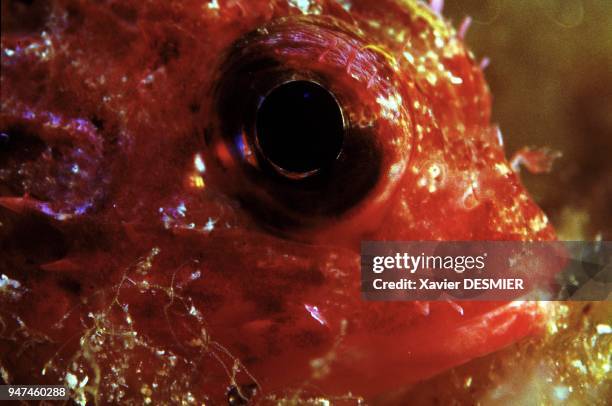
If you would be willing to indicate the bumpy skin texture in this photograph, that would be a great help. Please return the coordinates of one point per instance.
(145, 256)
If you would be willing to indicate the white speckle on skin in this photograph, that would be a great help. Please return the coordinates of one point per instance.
(303, 5)
(579, 366)
(71, 380)
(193, 311)
(315, 314)
(390, 105)
(199, 163)
(5, 281)
(346, 4)
(561, 392)
(210, 225)
(601, 328)
(181, 209)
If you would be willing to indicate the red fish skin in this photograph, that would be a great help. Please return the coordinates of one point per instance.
(145, 270)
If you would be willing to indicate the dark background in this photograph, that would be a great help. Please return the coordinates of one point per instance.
(551, 80)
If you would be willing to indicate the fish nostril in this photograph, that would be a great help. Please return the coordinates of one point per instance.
(299, 128)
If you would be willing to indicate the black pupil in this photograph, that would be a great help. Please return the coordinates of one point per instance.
(300, 127)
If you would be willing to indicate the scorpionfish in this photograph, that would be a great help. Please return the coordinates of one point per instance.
(162, 239)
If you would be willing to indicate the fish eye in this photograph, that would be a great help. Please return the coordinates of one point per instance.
(299, 128)
(299, 139)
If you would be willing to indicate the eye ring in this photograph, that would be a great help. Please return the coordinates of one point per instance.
(300, 128)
